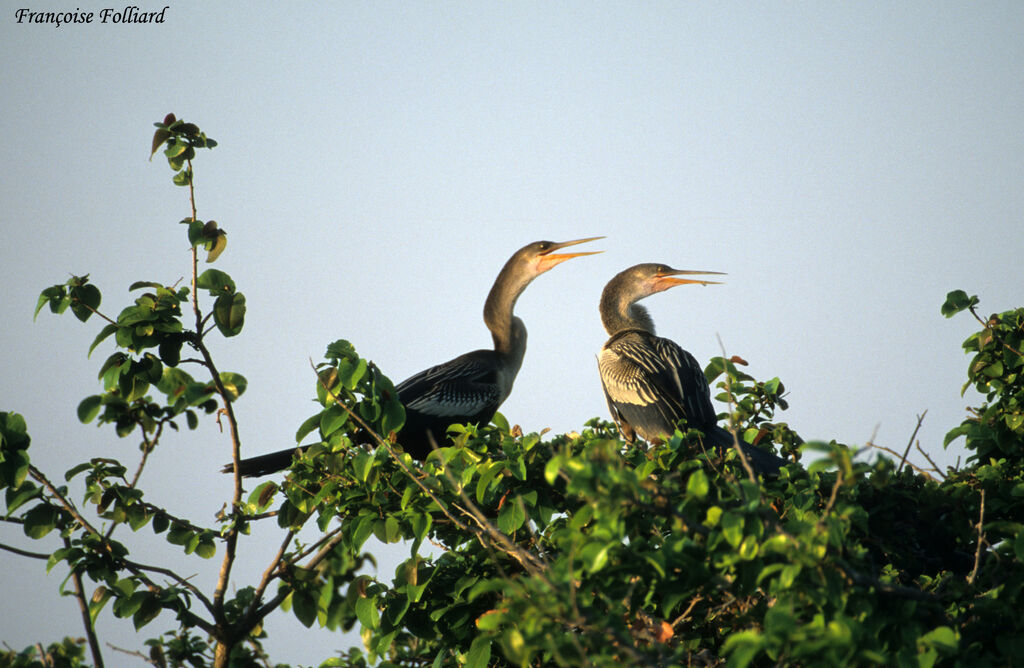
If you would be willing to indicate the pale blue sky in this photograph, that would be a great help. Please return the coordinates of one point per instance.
(846, 163)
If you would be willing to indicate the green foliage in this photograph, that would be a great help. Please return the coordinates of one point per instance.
(531, 549)
(69, 653)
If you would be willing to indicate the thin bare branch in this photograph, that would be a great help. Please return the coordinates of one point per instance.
(903, 459)
(132, 652)
(274, 564)
(24, 553)
(925, 472)
(981, 541)
(935, 467)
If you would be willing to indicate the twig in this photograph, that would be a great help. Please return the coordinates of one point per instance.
(256, 614)
(24, 553)
(935, 467)
(132, 652)
(981, 541)
(686, 613)
(231, 539)
(147, 447)
(83, 607)
(732, 423)
(267, 574)
(44, 658)
(924, 472)
(920, 419)
(68, 506)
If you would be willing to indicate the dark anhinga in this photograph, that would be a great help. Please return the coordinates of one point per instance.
(471, 387)
(650, 382)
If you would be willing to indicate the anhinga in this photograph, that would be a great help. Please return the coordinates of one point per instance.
(471, 387)
(650, 382)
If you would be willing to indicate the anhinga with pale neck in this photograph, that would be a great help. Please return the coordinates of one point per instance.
(650, 382)
(471, 387)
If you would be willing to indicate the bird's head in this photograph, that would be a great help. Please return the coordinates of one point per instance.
(540, 256)
(650, 278)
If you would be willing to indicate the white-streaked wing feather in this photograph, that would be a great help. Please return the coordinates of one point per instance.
(463, 386)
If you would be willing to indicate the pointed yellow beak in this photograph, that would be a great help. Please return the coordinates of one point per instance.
(549, 258)
(668, 279)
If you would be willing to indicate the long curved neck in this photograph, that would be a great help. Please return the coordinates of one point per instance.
(508, 331)
(620, 311)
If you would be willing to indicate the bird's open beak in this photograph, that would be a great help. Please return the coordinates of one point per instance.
(668, 279)
(549, 258)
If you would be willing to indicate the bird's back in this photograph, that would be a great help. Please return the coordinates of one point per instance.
(651, 383)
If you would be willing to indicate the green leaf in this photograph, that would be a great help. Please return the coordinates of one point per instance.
(56, 296)
(147, 612)
(957, 301)
(308, 426)
(179, 534)
(229, 313)
(217, 282)
(216, 246)
(16, 497)
(104, 333)
(943, 638)
(138, 517)
(479, 653)
(40, 521)
(732, 528)
(206, 548)
(748, 548)
(331, 420)
(175, 148)
(350, 374)
(489, 472)
(182, 178)
(99, 599)
(234, 384)
(129, 605)
(595, 556)
(159, 137)
(697, 484)
(170, 350)
(361, 465)
(85, 299)
(89, 408)
(367, 612)
(160, 523)
(13, 432)
(394, 415)
(552, 469)
(511, 516)
(500, 422)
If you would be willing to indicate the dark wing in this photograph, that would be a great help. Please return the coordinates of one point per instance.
(688, 382)
(651, 383)
(464, 389)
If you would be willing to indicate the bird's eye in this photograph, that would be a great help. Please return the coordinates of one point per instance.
(544, 245)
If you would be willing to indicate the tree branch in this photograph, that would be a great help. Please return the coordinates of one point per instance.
(83, 607)
(981, 541)
(920, 419)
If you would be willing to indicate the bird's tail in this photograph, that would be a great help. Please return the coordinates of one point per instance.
(763, 462)
(254, 467)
